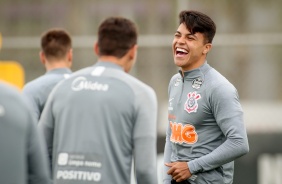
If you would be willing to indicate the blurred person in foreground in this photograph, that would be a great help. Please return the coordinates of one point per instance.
(22, 153)
(56, 56)
(206, 132)
(101, 118)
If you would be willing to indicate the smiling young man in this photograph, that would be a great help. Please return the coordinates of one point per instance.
(206, 132)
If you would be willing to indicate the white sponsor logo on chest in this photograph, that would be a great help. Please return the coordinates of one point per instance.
(81, 83)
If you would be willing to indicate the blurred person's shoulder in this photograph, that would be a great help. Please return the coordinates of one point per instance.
(8, 89)
(13, 104)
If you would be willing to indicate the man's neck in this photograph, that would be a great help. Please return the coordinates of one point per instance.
(56, 64)
(112, 59)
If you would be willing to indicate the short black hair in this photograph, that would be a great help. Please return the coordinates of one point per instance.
(198, 22)
(116, 35)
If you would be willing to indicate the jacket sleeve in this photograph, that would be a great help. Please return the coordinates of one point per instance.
(229, 117)
(33, 101)
(46, 128)
(145, 136)
(167, 149)
(167, 153)
(38, 171)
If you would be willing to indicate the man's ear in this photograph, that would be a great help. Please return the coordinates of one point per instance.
(96, 49)
(208, 47)
(133, 52)
(70, 55)
(42, 57)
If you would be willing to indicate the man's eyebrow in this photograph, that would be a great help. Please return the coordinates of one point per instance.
(189, 34)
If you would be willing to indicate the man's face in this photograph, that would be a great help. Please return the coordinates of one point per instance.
(189, 50)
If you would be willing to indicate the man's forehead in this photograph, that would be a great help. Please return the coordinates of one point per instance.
(185, 31)
(182, 28)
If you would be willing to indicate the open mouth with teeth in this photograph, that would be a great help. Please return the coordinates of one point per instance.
(180, 51)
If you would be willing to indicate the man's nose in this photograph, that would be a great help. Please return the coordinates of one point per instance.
(181, 39)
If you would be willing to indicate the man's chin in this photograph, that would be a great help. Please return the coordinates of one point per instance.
(178, 63)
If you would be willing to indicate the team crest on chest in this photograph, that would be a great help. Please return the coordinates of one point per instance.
(197, 83)
(191, 104)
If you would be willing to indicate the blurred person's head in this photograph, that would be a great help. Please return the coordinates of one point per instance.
(56, 48)
(193, 39)
(117, 42)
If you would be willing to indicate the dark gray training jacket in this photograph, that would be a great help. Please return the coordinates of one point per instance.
(206, 127)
